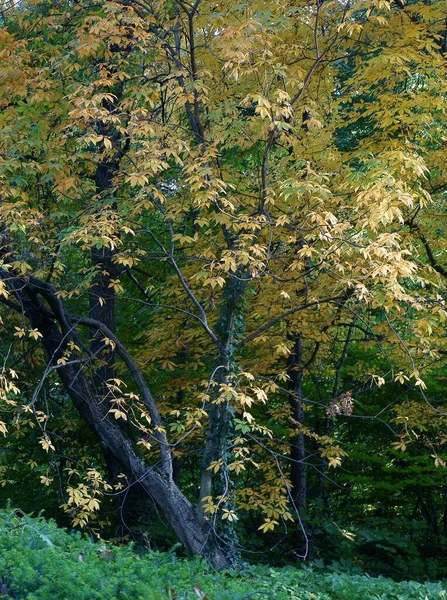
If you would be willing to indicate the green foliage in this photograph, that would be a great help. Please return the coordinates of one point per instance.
(397, 548)
(38, 561)
(222, 250)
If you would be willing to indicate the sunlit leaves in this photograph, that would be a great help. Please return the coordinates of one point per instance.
(252, 179)
(46, 443)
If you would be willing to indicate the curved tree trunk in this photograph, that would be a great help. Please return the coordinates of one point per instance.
(47, 314)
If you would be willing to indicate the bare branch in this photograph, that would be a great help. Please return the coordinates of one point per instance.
(285, 314)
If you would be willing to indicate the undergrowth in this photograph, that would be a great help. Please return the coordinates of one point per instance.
(39, 561)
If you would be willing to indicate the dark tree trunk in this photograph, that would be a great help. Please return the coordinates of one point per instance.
(46, 313)
(102, 309)
(298, 477)
(219, 432)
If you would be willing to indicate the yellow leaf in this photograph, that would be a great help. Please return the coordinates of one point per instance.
(46, 443)
(93, 504)
(215, 465)
(35, 334)
(268, 525)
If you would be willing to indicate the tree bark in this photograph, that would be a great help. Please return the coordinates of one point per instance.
(46, 313)
(102, 309)
(220, 421)
(298, 477)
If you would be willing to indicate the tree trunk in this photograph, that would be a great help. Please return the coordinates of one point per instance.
(102, 309)
(218, 437)
(298, 477)
(183, 517)
(177, 510)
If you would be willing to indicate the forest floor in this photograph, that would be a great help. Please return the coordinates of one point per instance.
(39, 561)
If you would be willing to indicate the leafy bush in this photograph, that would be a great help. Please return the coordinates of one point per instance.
(39, 561)
(399, 549)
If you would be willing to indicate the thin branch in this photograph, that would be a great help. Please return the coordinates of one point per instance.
(285, 314)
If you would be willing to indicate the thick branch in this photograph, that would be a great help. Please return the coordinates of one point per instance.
(146, 395)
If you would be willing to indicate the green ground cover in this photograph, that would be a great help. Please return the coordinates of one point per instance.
(39, 561)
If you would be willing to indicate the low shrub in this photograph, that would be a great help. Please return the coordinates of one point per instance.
(39, 561)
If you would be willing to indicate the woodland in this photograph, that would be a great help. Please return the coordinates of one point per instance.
(223, 281)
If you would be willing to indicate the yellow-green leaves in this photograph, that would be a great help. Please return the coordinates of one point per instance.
(220, 183)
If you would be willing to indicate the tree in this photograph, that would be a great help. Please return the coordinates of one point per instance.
(197, 201)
